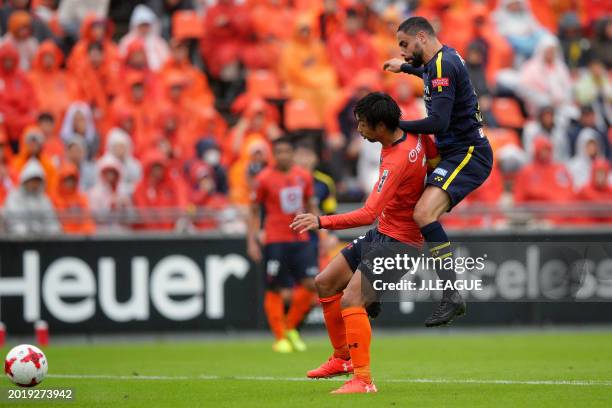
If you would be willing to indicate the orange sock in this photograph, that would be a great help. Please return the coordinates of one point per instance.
(358, 336)
(335, 325)
(301, 301)
(275, 311)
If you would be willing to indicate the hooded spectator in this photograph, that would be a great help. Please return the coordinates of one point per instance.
(95, 29)
(119, 146)
(32, 147)
(79, 122)
(547, 126)
(515, 21)
(588, 149)
(329, 19)
(144, 26)
(351, 50)
(17, 97)
(71, 204)
(54, 89)
(196, 84)
(158, 192)
(208, 152)
(76, 153)
(20, 35)
(39, 28)
(541, 77)
(273, 19)
(53, 146)
(6, 183)
(599, 188)
(227, 29)
(109, 196)
(305, 67)
(254, 158)
(203, 195)
(594, 88)
(27, 209)
(589, 120)
(543, 181)
(573, 43)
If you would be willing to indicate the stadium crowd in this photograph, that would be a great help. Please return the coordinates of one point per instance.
(158, 114)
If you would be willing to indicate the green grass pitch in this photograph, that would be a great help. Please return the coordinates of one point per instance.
(551, 369)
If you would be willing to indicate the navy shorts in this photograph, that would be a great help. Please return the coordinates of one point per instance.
(287, 263)
(462, 170)
(362, 251)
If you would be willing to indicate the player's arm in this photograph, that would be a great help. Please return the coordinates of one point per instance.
(254, 221)
(253, 228)
(382, 192)
(442, 91)
(398, 65)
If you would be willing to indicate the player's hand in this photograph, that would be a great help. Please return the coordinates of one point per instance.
(254, 251)
(305, 222)
(393, 65)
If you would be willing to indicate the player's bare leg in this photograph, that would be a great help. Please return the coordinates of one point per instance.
(356, 296)
(433, 203)
(330, 284)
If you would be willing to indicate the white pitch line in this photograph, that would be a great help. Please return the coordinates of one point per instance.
(300, 379)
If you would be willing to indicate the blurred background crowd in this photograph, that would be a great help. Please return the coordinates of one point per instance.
(156, 115)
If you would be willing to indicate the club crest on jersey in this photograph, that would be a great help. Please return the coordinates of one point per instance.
(440, 171)
(439, 82)
(383, 178)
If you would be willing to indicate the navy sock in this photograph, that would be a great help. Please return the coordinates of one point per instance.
(440, 247)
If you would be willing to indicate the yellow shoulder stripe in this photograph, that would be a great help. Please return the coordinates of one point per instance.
(439, 69)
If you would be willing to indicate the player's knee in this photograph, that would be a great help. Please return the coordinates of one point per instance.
(423, 215)
(351, 298)
(324, 286)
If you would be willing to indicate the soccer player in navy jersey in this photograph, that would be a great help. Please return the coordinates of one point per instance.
(454, 117)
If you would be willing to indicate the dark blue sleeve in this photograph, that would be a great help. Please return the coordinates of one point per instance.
(441, 86)
(409, 69)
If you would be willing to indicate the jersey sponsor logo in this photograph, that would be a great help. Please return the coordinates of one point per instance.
(414, 153)
(439, 82)
(383, 178)
(440, 171)
(291, 199)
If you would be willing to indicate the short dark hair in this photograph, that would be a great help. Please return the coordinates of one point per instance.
(45, 116)
(377, 107)
(413, 25)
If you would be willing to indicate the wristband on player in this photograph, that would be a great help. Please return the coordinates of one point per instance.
(406, 68)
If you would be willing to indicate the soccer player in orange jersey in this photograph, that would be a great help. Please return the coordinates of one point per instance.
(340, 286)
(290, 259)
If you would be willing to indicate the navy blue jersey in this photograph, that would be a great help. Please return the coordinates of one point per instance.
(453, 114)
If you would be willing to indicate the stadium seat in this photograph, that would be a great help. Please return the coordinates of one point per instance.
(186, 24)
(263, 83)
(508, 113)
(299, 114)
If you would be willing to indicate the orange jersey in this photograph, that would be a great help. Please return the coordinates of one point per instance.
(401, 181)
(283, 196)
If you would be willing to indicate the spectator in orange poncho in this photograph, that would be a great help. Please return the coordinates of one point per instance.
(31, 146)
(196, 84)
(20, 34)
(97, 83)
(6, 154)
(351, 49)
(158, 190)
(54, 89)
(72, 205)
(53, 146)
(135, 61)
(255, 123)
(273, 18)
(17, 98)
(329, 19)
(306, 69)
(203, 196)
(385, 39)
(227, 30)
(401, 89)
(544, 181)
(598, 191)
(134, 103)
(94, 29)
(255, 156)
